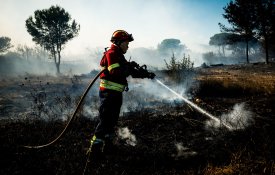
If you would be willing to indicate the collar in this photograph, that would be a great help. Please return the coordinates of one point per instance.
(115, 47)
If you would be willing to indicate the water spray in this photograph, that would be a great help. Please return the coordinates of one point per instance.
(202, 111)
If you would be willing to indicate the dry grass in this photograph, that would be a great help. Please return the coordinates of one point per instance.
(253, 79)
(248, 81)
(241, 164)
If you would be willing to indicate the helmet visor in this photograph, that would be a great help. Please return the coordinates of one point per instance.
(130, 37)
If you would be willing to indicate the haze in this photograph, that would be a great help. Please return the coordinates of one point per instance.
(150, 21)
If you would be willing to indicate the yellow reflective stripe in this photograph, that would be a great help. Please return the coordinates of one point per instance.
(93, 139)
(102, 67)
(113, 66)
(112, 85)
(96, 140)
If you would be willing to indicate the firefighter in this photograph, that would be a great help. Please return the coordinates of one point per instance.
(112, 84)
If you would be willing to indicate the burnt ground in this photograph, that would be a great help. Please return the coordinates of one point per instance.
(171, 138)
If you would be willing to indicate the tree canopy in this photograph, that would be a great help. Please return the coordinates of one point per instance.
(265, 13)
(171, 46)
(231, 41)
(5, 44)
(239, 15)
(220, 40)
(52, 28)
(251, 19)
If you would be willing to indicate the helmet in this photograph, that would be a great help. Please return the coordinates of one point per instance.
(120, 35)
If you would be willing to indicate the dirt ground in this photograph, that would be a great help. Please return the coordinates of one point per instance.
(171, 138)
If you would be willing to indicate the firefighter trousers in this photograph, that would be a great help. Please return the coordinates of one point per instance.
(110, 104)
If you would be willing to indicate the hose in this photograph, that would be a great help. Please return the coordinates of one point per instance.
(77, 107)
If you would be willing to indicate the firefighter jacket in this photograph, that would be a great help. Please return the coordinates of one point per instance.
(114, 78)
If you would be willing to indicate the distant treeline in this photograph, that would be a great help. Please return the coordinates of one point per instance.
(13, 65)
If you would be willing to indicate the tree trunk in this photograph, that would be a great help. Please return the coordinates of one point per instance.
(223, 50)
(57, 68)
(266, 49)
(54, 56)
(247, 60)
(58, 63)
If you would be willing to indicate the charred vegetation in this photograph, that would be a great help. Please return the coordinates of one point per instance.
(171, 137)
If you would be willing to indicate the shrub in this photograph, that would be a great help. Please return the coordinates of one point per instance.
(179, 70)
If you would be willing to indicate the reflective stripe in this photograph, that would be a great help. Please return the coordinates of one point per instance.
(113, 66)
(93, 139)
(112, 85)
(96, 140)
(102, 67)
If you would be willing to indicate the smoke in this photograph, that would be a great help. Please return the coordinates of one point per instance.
(125, 134)
(147, 93)
(183, 151)
(240, 117)
(155, 58)
(90, 112)
(14, 64)
(36, 61)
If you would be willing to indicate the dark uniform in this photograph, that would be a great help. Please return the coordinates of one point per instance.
(112, 83)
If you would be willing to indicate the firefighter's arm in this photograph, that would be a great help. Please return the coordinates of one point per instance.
(114, 66)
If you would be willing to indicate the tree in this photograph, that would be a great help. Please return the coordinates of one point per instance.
(240, 14)
(238, 45)
(52, 29)
(220, 40)
(169, 46)
(265, 13)
(5, 44)
(272, 42)
(32, 54)
(272, 37)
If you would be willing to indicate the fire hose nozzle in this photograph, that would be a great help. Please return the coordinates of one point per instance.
(138, 71)
(151, 75)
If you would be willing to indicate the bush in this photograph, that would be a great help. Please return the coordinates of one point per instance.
(179, 70)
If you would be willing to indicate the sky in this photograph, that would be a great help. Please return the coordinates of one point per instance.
(150, 21)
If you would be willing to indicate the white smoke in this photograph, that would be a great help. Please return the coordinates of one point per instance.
(146, 93)
(90, 112)
(239, 118)
(125, 134)
(183, 151)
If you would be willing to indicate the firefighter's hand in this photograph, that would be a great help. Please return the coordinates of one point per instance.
(133, 64)
(151, 75)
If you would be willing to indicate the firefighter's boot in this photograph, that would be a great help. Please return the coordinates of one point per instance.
(96, 149)
(109, 147)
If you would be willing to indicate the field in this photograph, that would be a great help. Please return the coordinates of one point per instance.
(157, 135)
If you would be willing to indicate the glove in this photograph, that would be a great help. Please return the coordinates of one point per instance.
(133, 64)
(151, 75)
(145, 74)
(137, 71)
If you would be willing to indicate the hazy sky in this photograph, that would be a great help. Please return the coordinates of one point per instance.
(150, 21)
